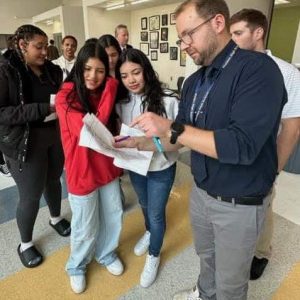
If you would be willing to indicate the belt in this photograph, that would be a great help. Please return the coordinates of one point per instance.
(255, 200)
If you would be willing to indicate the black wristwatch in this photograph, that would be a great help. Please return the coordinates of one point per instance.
(176, 130)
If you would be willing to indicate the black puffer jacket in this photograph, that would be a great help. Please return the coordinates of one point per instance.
(15, 85)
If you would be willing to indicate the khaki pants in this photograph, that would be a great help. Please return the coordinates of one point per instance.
(263, 245)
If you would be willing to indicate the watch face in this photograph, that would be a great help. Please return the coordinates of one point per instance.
(179, 128)
(176, 129)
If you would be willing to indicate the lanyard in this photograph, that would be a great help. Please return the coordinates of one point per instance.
(194, 114)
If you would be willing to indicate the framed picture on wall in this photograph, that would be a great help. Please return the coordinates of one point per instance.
(164, 33)
(144, 23)
(164, 47)
(154, 40)
(144, 47)
(164, 20)
(172, 19)
(144, 36)
(154, 55)
(182, 58)
(154, 23)
(173, 53)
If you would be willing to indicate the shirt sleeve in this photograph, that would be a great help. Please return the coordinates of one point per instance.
(258, 98)
(291, 77)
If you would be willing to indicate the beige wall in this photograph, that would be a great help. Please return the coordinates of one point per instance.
(72, 23)
(98, 21)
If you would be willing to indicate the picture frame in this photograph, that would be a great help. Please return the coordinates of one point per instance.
(154, 40)
(173, 53)
(154, 55)
(144, 23)
(164, 32)
(164, 47)
(164, 20)
(154, 23)
(144, 47)
(172, 19)
(144, 36)
(182, 58)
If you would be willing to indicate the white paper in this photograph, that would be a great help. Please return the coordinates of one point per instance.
(96, 136)
(51, 117)
(52, 99)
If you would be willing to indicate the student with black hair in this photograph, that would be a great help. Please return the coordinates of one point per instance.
(92, 179)
(27, 81)
(145, 93)
(113, 50)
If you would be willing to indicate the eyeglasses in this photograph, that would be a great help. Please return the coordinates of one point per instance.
(187, 38)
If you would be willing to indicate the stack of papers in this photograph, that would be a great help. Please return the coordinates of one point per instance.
(96, 136)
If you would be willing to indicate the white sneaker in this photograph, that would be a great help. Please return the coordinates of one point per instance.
(4, 170)
(116, 267)
(142, 245)
(150, 271)
(78, 283)
(188, 294)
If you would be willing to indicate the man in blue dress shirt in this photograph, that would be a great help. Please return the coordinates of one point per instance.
(228, 116)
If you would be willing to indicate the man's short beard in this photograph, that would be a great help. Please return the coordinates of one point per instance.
(209, 54)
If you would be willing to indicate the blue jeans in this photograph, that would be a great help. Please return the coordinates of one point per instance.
(95, 227)
(153, 191)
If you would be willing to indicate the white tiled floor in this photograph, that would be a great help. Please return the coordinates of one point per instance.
(6, 182)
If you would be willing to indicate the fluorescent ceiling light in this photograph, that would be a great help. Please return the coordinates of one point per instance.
(138, 1)
(49, 22)
(115, 7)
(278, 2)
(120, 4)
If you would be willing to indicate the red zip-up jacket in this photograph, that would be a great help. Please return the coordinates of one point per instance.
(86, 169)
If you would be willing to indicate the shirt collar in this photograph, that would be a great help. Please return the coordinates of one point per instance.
(220, 58)
(268, 52)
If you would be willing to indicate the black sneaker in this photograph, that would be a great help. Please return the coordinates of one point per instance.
(4, 170)
(257, 267)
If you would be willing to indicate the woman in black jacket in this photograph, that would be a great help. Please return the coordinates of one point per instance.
(29, 134)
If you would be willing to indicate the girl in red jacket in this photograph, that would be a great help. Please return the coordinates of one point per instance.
(92, 179)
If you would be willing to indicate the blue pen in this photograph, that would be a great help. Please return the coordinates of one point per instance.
(159, 146)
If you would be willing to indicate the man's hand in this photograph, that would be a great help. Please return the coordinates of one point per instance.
(152, 124)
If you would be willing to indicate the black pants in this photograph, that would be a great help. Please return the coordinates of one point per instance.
(40, 176)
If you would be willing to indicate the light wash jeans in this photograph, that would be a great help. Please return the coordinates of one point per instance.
(95, 227)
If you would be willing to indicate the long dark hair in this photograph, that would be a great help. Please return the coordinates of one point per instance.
(89, 50)
(153, 94)
(107, 40)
